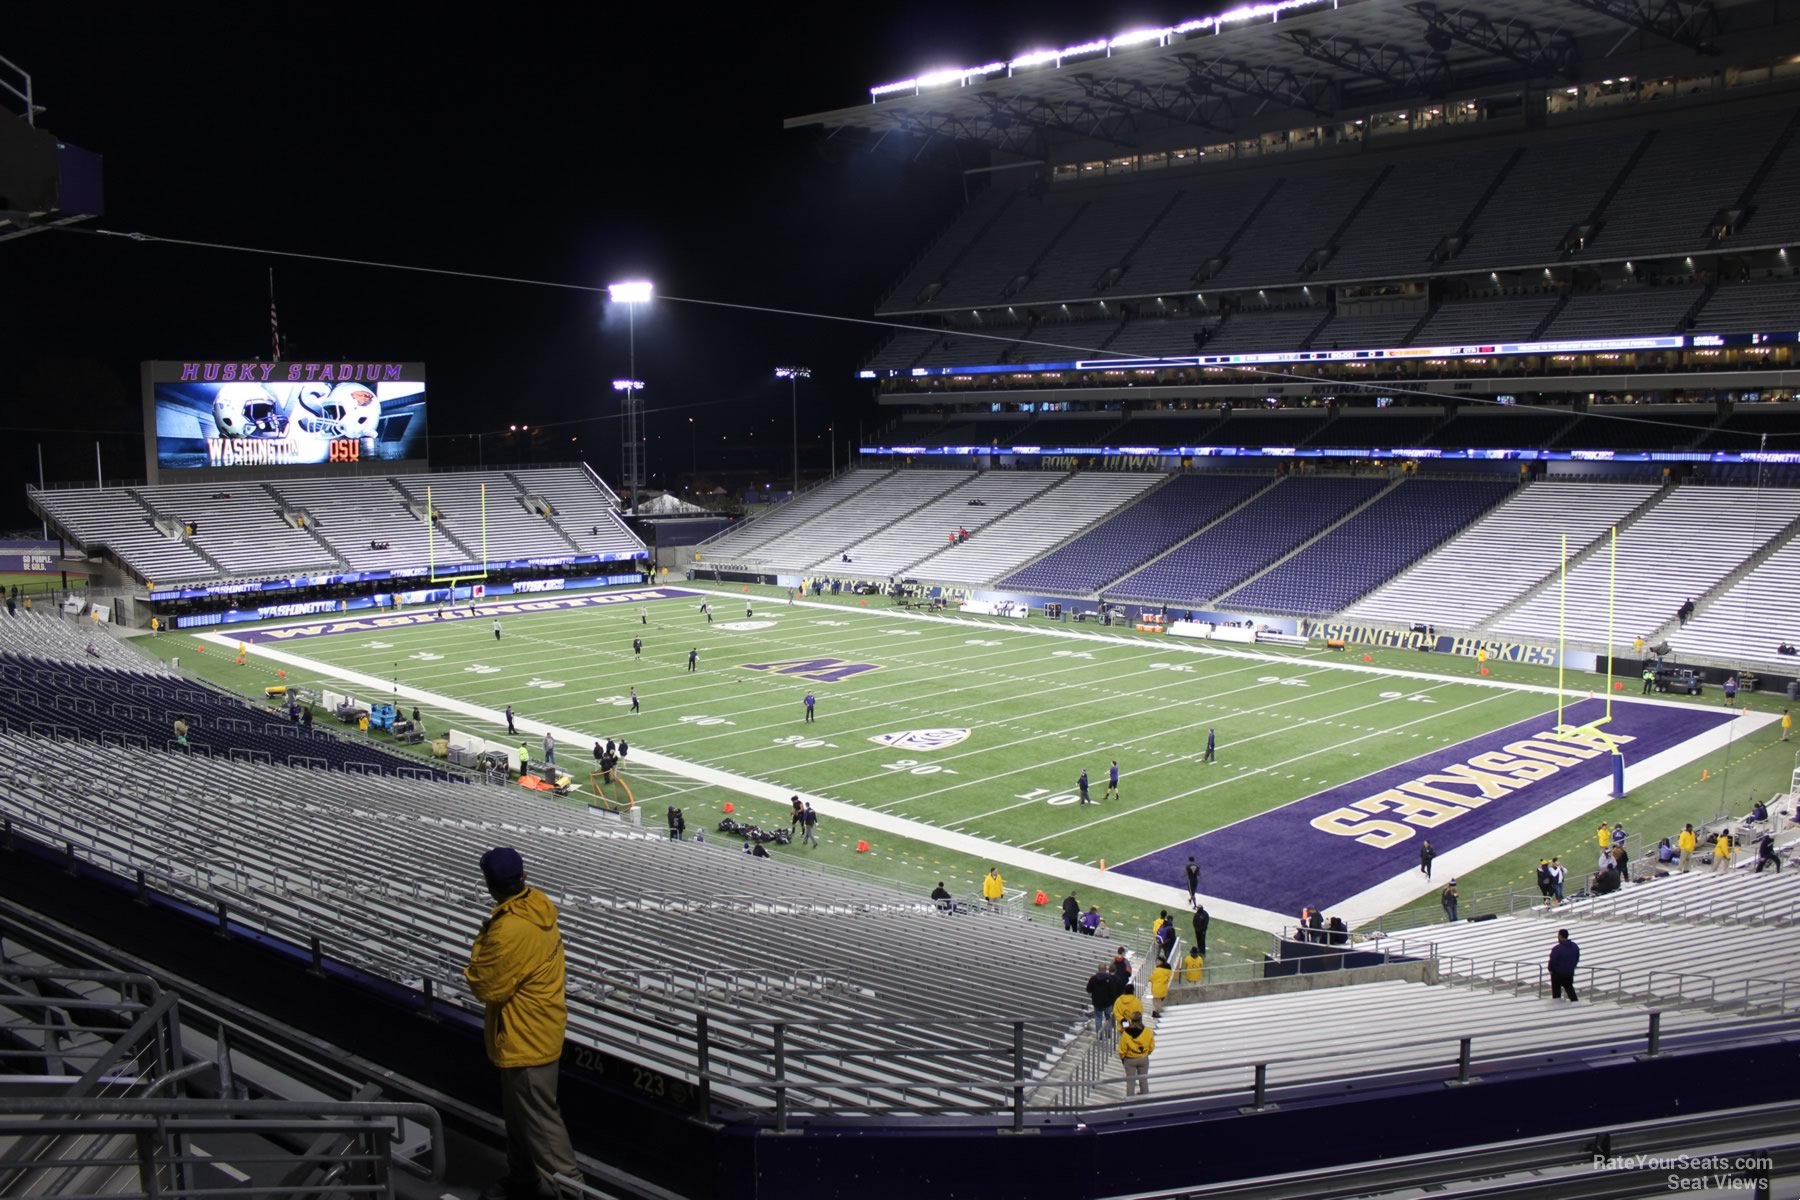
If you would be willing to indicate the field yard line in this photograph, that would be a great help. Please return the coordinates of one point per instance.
(1042, 629)
(1117, 676)
(1172, 898)
(1410, 885)
(1151, 736)
(1260, 771)
(662, 698)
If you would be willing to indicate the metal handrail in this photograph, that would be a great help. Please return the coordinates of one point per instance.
(94, 1116)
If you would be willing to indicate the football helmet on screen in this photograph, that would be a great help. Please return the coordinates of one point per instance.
(244, 410)
(349, 410)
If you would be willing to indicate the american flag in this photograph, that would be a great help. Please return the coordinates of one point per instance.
(274, 320)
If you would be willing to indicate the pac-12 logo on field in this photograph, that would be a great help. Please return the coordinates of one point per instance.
(921, 739)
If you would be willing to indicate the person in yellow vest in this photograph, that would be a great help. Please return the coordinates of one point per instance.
(1685, 844)
(993, 887)
(1127, 1007)
(154, 627)
(1722, 853)
(1787, 724)
(1193, 967)
(1135, 1047)
(1159, 987)
(1481, 657)
(1604, 836)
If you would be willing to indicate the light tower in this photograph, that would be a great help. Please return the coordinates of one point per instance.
(794, 375)
(631, 440)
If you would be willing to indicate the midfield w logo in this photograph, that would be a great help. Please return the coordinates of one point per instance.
(819, 670)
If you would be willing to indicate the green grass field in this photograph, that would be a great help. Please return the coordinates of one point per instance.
(1039, 708)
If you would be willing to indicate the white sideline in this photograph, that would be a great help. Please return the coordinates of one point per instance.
(1402, 888)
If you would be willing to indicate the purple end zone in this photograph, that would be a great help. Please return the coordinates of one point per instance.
(422, 614)
(1279, 861)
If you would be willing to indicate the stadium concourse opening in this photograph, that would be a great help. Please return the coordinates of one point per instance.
(1289, 693)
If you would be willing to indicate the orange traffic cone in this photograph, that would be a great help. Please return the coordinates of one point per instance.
(1103, 864)
(1368, 658)
(1705, 774)
(862, 845)
(730, 807)
(1484, 670)
(281, 674)
(1618, 687)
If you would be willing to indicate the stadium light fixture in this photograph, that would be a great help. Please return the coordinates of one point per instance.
(1161, 36)
(628, 385)
(630, 292)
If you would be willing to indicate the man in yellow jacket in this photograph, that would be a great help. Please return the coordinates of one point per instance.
(1604, 837)
(1135, 1046)
(516, 970)
(1127, 1008)
(1686, 843)
(1159, 987)
(993, 887)
(1722, 852)
(1193, 967)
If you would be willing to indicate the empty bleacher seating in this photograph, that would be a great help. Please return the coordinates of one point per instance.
(1495, 319)
(1358, 555)
(1129, 539)
(1752, 308)
(745, 539)
(582, 505)
(1041, 523)
(1163, 337)
(653, 928)
(1248, 540)
(1493, 562)
(1746, 622)
(925, 529)
(1096, 240)
(241, 533)
(1623, 312)
(1366, 332)
(824, 538)
(1298, 218)
(1387, 429)
(114, 519)
(1252, 329)
(1665, 206)
(1555, 186)
(1421, 202)
(1661, 563)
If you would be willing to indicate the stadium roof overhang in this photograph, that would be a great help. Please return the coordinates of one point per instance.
(1274, 65)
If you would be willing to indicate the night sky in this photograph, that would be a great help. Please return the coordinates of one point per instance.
(559, 142)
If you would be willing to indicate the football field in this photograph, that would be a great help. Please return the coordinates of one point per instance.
(970, 734)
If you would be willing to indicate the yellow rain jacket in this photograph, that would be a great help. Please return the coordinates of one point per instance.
(516, 970)
(1137, 1047)
(1159, 982)
(1126, 1007)
(1685, 843)
(993, 887)
(1193, 968)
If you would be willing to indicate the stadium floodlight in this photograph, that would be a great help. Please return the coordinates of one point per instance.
(628, 385)
(1162, 36)
(636, 291)
(794, 375)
